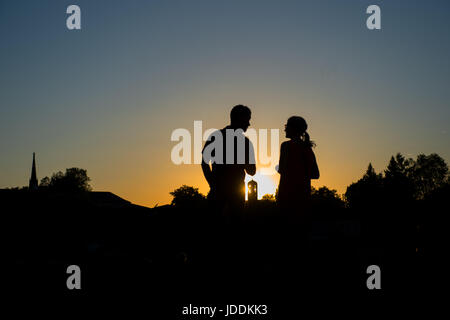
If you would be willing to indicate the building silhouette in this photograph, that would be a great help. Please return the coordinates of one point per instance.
(252, 191)
(33, 180)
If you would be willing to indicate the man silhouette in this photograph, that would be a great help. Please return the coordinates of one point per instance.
(231, 155)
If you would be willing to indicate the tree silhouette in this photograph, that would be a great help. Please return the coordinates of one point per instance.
(429, 173)
(368, 191)
(398, 167)
(398, 180)
(326, 198)
(186, 196)
(404, 180)
(73, 180)
(45, 182)
(268, 197)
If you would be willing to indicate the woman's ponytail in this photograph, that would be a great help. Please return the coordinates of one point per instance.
(307, 139)
(296, 127)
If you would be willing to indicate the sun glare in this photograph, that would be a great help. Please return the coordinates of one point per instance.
(266, 184)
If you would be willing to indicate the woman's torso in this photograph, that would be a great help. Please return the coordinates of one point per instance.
(295, 181)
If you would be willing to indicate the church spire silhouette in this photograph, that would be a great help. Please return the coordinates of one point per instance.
(33, 180)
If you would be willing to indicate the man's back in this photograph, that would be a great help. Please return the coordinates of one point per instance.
(229, 167)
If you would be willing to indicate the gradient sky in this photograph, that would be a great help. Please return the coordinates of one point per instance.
(107, 98)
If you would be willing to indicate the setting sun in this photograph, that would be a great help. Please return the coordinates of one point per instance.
(266, 184)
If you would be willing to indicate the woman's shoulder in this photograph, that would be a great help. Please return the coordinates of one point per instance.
(286, 145)
(295, 144)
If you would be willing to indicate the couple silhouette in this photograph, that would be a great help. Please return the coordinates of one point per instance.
(235, 157)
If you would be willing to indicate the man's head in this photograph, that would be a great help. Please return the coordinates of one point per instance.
(240, 117)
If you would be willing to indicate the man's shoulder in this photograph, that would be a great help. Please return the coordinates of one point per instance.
(215, 133)
(223, 133)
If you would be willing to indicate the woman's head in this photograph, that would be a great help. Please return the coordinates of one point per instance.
(296, 127)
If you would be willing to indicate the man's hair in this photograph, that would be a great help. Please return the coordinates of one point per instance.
(239, 112)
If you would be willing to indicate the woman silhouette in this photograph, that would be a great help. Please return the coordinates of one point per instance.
(297, 167)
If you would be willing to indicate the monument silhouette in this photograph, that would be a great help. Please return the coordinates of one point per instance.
(252, 187)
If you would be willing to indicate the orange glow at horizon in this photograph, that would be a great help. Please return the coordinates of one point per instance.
(266, 184)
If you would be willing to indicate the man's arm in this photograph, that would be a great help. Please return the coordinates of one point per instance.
(207, 172)
(250, 169)
(250, 165)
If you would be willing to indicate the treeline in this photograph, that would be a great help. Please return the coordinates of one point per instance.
(404, 181)
(73, 180)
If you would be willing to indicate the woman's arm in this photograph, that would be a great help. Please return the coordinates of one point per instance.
(282, 162)
(313, 167)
